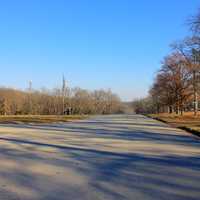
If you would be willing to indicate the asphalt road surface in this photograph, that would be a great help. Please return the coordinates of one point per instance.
(104, 158)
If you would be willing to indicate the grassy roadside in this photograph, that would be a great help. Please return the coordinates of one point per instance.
(187, 122)
(40, 118)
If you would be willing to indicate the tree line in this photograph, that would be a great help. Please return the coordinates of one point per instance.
(177, 83)
(58, 101)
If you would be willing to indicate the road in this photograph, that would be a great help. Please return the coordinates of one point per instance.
(103, 158)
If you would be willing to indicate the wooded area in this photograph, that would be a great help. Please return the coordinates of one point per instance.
(58, 101)
(177, 84)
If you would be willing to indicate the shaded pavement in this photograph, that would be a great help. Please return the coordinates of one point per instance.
(114, 157)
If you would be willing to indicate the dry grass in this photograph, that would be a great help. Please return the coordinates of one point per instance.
(188, 120)
(39, 118)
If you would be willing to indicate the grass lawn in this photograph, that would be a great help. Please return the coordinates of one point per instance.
(39, 118)
(188, 121)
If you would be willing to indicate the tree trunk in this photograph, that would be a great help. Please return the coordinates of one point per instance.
(195, 94)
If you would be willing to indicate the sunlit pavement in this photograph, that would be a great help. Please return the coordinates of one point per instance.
(103, 158)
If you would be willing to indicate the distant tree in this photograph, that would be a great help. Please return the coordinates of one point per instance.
(143, 106)
(3, 106)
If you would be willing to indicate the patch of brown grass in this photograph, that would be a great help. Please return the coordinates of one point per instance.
(39, 118)
(187, 120)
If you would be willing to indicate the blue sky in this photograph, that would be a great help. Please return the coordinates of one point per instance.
(115, 44)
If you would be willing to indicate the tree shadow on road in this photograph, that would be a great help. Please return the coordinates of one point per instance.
(61, 168)
(112, 175)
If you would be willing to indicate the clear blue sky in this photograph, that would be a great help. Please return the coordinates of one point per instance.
(115, 44)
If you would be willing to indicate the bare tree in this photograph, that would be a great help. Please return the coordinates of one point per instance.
(189, 48)
(172, 86)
